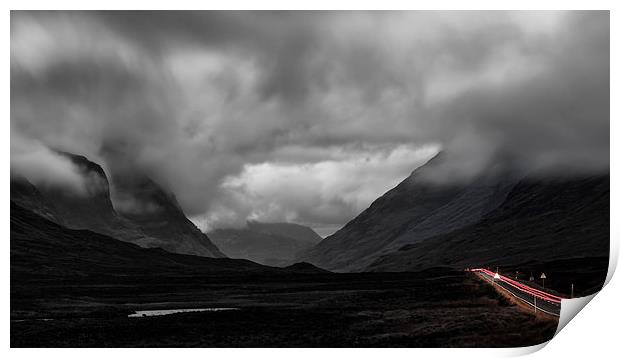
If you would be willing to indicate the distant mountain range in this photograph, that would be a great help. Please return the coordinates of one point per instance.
(44, 251)
(274, 244)
(164, 226)
(497, 217)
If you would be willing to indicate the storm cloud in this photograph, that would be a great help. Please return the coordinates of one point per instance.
(307, 116)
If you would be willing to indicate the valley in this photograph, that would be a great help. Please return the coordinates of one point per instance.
(435, 308)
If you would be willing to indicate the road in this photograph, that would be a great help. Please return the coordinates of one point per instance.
(539, 300)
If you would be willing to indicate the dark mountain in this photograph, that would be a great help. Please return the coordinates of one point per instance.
(160, 217)
(417, 209)
(44, 250)
(274, 244)
(500, 216)
(540, 221)
(93, 210)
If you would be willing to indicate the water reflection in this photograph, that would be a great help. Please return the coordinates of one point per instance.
(148, 313)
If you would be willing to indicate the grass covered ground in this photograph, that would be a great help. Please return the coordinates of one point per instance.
(436, 308)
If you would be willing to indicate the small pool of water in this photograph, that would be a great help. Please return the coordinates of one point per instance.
(149, 313)
(32, 319)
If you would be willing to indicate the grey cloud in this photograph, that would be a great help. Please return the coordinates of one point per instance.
(46, 168)
(193, 99)
(556, 119)
(282, 41)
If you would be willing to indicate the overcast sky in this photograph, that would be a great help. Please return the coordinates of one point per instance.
(304, 117)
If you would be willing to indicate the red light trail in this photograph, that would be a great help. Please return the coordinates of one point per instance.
(521, 287)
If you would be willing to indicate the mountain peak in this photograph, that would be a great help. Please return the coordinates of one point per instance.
(165, 226)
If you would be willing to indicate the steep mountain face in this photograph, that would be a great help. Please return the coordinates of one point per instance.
(274, 244)
(90, 209)
(416, 209)
(42, 250)
(539, 221)
(93, 210)
(160, 217)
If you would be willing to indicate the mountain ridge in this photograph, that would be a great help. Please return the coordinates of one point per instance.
(44, 250)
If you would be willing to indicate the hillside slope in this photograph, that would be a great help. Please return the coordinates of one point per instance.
(416, 209)
(44, 250)
(540, 221)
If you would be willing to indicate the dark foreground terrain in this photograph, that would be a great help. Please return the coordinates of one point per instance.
(76, 288)
(436, 308)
